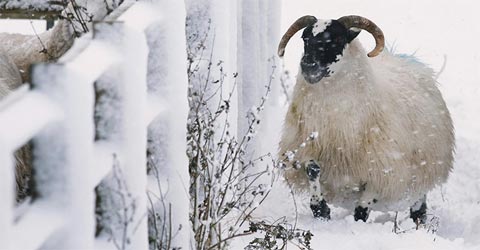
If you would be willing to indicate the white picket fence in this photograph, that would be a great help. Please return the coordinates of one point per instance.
(57, 112)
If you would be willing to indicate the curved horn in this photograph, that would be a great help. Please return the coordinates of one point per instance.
(301, 23)
(371, 27)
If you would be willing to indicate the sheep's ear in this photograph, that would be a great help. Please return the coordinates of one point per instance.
(352, 33)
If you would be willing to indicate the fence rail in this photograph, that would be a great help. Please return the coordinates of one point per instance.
(14, 9)
(36, 5)
(28, 14)
(72, 153)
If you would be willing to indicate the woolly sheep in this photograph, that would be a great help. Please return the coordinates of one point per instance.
(385, 136)
(18, 52)
(25, 50)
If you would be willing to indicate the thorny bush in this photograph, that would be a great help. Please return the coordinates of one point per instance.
(227, 182)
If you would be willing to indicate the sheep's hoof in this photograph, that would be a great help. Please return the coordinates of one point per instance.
(361, 213)
(320, 210)
(419, 216)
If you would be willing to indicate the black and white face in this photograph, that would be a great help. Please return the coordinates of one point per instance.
(324, 43)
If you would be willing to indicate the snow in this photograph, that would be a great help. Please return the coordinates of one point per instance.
(430, 29)
(124, 120)
(168, 82)
(249, 62)
(128, 80)
(80, 62)
(7, 189)
(64, 149)
(26, 231)
(320, 26)
(29, 4)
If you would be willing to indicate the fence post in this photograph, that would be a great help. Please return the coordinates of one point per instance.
(121, 120)
(7, 190)
(167, 81)
(63, 156)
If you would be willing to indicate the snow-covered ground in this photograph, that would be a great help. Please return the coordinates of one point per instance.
(434, 31)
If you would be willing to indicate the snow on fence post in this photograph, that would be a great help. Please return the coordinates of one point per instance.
(7, 191)
(249, 64)
(259, 31)
(224, 18)
(64, 173)
(121, 121)
(263, 26)
(272, 122)
(167, 82)
(273, 14)
(63, 156)
(15, 9)
(212, 40)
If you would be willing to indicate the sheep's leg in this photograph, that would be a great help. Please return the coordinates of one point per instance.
(318, 204)
(361, 213)
(418, 212)
(363, 209)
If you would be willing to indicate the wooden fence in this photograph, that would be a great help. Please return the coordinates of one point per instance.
(86, 114)
(15, 9)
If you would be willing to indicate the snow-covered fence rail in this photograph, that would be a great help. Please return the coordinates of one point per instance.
(44, 10)
(16, 9)
(80, 136)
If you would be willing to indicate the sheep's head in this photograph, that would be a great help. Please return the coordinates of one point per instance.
(325, 40)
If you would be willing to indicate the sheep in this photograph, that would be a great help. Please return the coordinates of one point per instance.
(383, 136)
(25, 50)
(49, 46)
(18, 52)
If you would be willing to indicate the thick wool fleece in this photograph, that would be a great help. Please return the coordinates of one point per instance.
(384, 131)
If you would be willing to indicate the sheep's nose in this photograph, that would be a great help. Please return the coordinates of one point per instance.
(309, 66)
(312, 71)
(307, 61)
